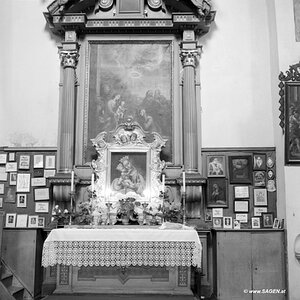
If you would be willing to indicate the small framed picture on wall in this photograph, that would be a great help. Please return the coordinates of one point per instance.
(260, 197)
(33, 221)
(12, 178)
(227, 222)
(24, 162)
(241, 192)
(217, 192)
(267, 220)
(11, 156)
(217, 222)
(259, 161)
(241, 206)
(255, 222)
(38, 161)
(257, 211)
(23, 182)
(259, 178)
(50, 162)
(240, 169)
(11, 220)
(22, 200)
(216, 166)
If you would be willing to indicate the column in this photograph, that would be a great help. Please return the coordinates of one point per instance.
(66, 133)
(189, 53)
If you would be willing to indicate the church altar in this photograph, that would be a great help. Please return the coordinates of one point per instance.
(116, 259)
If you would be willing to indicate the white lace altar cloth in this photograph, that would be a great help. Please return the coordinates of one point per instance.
(122, 247)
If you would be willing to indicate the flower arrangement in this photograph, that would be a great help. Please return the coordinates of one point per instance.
(126, 213)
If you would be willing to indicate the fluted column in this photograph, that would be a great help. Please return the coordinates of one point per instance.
(189, 53)
(66, 136)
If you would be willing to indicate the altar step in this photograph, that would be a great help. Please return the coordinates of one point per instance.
(117, 297)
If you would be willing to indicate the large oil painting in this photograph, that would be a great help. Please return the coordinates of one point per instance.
(129, 80)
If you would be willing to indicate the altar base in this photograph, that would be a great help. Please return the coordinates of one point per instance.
(124, 280)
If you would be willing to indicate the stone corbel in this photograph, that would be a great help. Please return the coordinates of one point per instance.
(69, 58)
(189, 56)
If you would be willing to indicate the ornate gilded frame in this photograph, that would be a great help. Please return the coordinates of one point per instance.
(128, 140)
(290, 113)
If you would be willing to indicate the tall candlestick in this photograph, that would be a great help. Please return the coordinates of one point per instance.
(183, 181)
(92, 181)
(163, 182)
(72, 181)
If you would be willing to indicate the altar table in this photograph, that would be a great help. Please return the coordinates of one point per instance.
(118, 258)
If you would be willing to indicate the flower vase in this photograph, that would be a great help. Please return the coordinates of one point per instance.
(125, 220)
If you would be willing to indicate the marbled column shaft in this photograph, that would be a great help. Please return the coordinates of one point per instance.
(189, 106)
(66, 138)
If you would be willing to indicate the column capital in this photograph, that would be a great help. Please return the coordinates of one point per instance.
(189, 56)
(69, 58)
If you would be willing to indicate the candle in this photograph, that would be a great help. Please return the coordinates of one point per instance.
(163, 182)
(92, 181)
(183, 181)
(72, 181)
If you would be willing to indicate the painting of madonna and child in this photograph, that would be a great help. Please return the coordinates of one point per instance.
(130, 80)
(128, 173)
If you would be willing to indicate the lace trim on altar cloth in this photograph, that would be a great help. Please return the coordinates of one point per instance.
(121, 253)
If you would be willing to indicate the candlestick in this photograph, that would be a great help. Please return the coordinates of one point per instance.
(163, 182)
(92, 181)
(72, 181)
(183, 181)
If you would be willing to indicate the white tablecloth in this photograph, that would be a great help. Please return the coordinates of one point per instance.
(122, 246)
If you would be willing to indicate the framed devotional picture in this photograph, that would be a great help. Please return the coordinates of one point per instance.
(131, 162)
(240, 169)
(135, 80)
(267, 220)
(216, 166)
(216, 192)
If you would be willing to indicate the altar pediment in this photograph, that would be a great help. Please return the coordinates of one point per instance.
(146, 15)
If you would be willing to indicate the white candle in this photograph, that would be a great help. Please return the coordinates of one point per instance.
(183, 181)
(72, 181)
(92, 181)
(163, 182)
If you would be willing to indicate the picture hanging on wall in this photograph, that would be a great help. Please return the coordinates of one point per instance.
(267, 220)
(22, 200)
(135, 81)
(23, 182)
(3, 158)
(241, 206)
(10, 195)
(259, 162)
(259, 178)
(255, 222)
(24, 162)
(50, 162)
(260, 197)
(38, 161)
(12, 178)
(10, 220)
(240, 169)
(217, 192)
(216, 166)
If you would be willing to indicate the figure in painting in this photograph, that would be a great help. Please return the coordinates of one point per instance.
(215, 167)
(130, 179)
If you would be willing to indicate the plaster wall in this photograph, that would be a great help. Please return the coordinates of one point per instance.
(29, 75)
